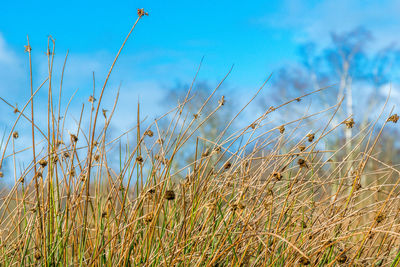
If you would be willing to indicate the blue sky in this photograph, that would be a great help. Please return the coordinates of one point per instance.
(258, 37)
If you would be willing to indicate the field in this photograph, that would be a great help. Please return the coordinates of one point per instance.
(263, 194)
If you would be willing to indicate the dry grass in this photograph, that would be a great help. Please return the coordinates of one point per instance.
(257, 196)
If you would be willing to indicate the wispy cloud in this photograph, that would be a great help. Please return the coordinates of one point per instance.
(313, 20)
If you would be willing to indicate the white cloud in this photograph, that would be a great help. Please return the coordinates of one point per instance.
(307, 21)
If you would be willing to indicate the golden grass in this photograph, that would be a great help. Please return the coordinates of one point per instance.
(261, 195)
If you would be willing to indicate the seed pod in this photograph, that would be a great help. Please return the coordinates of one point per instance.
(302, 162)
(43, 163)
(74, 138)
(342, 258)
(394, 118)
(139, 159)
(277, 176)
(281, 129)
(227, 165)
(169, 195)
(349, 123)
(149, 133)
(304, 261)
(302, 147)
(310, 137)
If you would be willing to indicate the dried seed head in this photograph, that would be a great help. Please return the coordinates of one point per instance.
(104, 214)
(95, 143)
(38, 256)
(141, 12)
(1, 174)
(91, 99)
(358, 186)
(277, 176)
(43, 163)
(148, 218)
(302, 147)
(349, 123)
(66, 154)
(342, 258)
(206, 152)
(151, 191)
(16, 110)
(15, 135)
(58, 143)
(222, 101)
(217, 149)
(28, 48)
(74, 138)
(394, 118)
(169, 195)
(298, 99)
(253, 125)
(304, 261)
(302, 162)
(72, 173)
(160, 141)
(104, 112)
(310, 137)
(55, 158)
(149, 133)
(281, 129)
(38, 174)
(97, 157)
(139, 159)
(227, 165)
(380, 218)
(303, 224)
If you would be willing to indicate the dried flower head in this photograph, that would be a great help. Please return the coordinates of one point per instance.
(74, 138)
(277, 176)
(149, 133)
(281, 129)
(302, 147)
(217, 149)
(169, 195)
(227, 165)
(394, 118)
(66, 154)
(95, 143)
(304, 261)
(38, 256)
(28, 48)
(141, 12)
(96, 157)
(206, 152)
(380, 218)
(310, 137)
(148, 218)
(139, 159)
(151, 191)
(91, 99)
(349, 123)
(43, 163)
(222, 101)
(104, 112)
(253, 125)
(342, 258)
(302, 162)
(15, 135)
